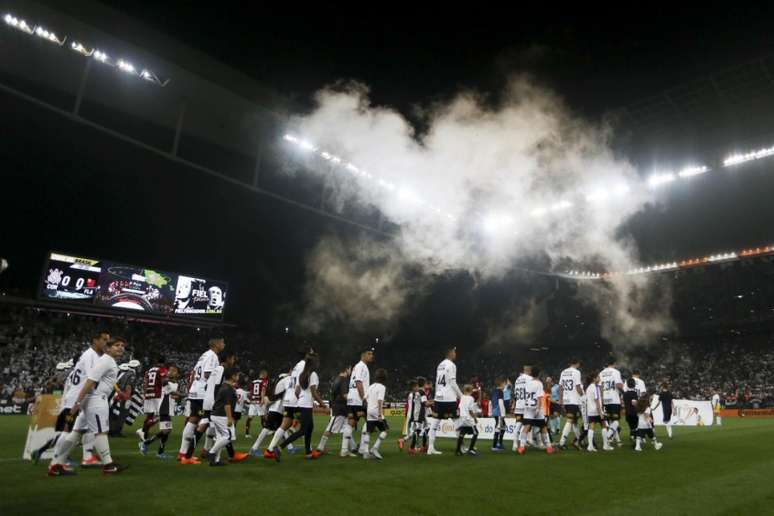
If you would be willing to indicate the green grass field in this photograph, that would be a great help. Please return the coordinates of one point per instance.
(703, 471)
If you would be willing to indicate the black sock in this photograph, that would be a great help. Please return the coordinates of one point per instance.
(230, 450)
(473, 441)
(459, 442)
(163, 442)
(424, 440)
(151, 439)
(192, 444)
(413, 440)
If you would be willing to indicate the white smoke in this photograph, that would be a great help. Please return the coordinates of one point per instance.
(499, 171)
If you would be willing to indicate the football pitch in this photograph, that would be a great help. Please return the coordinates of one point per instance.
(702, 471)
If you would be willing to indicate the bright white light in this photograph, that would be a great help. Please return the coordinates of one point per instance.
(125, 66)
(736, 159)
(692, 171)
(597, 196)
(100, 56)
(10, 20)
(306, 145)
(404, 194)
(495, 224)
(659, 179)
(352, 168)
(335, 159)
(561, 205)
(538, 212)
(291, 138)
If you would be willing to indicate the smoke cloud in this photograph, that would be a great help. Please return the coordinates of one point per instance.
(489, 186)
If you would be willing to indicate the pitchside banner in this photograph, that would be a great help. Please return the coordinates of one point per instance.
(486, 428)
(42, 422)
(687, 413)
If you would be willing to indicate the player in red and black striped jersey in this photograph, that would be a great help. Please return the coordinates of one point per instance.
(258, 392)
(156, 378)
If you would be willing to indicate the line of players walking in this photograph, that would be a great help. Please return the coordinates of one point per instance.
(218, 396)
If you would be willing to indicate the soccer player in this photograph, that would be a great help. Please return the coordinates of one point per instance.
(359, 381)
(213, 385)
(415, 410)
(257, 406)
(64, 421)
(716, 407)
(554, 408)
(427, 390)
(242, 398)
(289, 405)
(447, 393)
(665, 399)
(498, 413)
(520, 392)
(93, 399)
(306, 395)
(639, 384)
(152, 387)
(467, 422)
(534, 413)
(375, 416)
(273, 419)
(197, 387)
(570, 392)
(612, 385)
(645, 425)
(222, 414)
(630, 398)
(166, 411)
(339, 392)
(594, 412)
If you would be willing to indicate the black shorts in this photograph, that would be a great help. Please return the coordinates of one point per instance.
(572, 412)
(445, 409)
(613, 412)
(196, 408)
(555, 408)
(382, 426)
(237, 416)
(632, 420)
(595, 419)
(356, 412)
(291, 412)
(667, 416)
(272, 421)
(535, 423)
(644, 432)
(164, 418)
(64, 421)
(339, 410)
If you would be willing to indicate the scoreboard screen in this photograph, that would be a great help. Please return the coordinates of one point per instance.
(126, 287)
(70, 278)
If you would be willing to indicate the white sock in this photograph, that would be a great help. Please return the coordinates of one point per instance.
(382, 436)
(323, 442)
(516, 435)
(103, 448)
(577, 430)
(615, 433)
(547, 440)
(188, 434)
(346, 437)
(605, 440)
(719, 422)
(364, 443)
(261, 437)
(590, 437)
(638, 443)
(523, 437)
(431, 435)
(279, 435)
(209, 438)
(64, 446)
(88, 445)
(565, 433)
(219, 445)
(669, 430)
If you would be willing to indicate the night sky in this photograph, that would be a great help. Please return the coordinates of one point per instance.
(598, 59)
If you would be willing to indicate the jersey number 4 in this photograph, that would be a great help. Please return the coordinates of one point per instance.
(442, 380)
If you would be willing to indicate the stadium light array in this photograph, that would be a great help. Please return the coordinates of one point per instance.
(736, 159)
(659, 179)
(100, 56)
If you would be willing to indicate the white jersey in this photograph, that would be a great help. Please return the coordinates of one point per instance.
(282, 385)
(533, 403)
(242, 397)
(374, 394)
(639, 387)
(593, 393)
(215, 379)
(715, 402)
(104, 374)
(289, 399)
(569, 381)
(305, 399)
(360, 373)
(166, 390)
(468, 411)
(446, 388)
(77, 377)
(609, 379)
(520, 391)
(207, 363)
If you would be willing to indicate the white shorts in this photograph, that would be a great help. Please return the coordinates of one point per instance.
(533, 413)
(151, 406)
(222, 429)
(336, 424)
(94, 416)
(256, 410)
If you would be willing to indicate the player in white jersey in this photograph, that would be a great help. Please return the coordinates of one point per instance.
(206, 364)
(595, 412)
(519, 393)
(289, 405)
(306, 396)
(645, 425)
(612, 385)
(467, 422)
(535, 413)
(64, 420)
(447, 392)
(273, 420)
(92, 402)
(359, 381)
(570, 392)
(375, 416)
(214, 382)
(716, 407)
